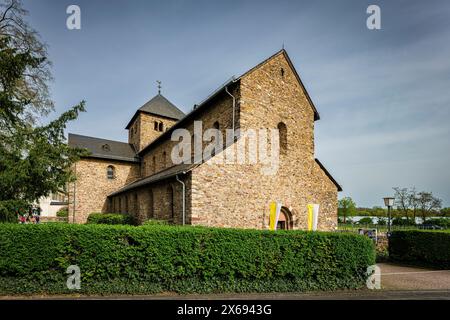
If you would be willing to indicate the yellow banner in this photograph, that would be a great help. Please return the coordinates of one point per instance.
(273, 215)
(310, 216)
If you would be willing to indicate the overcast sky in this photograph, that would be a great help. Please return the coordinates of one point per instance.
(383, 95)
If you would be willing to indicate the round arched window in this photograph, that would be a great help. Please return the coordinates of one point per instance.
(110, 172)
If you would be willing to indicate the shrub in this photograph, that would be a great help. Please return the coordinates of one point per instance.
(442, 222)
(152, 222)
(365, 220)
(63, 213)
(126, 259)
(381, 221)
(421, 247)
(402, 222)
(9, 209)
(110, 218)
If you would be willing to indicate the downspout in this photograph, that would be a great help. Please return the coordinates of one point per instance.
(184, 198)
(234, 107)
(74, 195)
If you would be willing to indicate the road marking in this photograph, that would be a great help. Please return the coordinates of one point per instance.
(411, 272)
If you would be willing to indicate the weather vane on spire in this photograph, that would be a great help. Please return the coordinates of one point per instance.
(159, 86)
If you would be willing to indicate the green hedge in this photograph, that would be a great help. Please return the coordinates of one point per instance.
(421, 247)
(63, 212)
(150, 259)
(110, 218)
(442, 222)
(153, 222)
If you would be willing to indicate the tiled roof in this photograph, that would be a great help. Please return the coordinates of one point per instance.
(165, 174)
(104, 149)
(160, 106)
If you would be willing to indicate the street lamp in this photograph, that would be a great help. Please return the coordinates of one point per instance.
(389, 203)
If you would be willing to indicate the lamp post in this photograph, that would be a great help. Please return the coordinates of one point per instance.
(389, 203)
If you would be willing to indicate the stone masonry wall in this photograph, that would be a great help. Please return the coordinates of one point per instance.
(162, 201)
(142, 132)
(159, 157)
(232, 195)
(92, 186)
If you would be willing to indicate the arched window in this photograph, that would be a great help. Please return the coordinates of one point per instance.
(110, 172)
(216, 125)
(161, 127)
(282, 130)
(156, 126)
(150, 212)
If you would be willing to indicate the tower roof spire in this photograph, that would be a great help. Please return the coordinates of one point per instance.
(159, 86)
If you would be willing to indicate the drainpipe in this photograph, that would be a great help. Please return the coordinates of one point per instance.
(234, 106)
(74, 196)
(184, 198)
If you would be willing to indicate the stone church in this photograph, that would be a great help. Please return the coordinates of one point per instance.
(140, 179)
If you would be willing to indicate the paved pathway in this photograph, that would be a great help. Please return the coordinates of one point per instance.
(396, 277)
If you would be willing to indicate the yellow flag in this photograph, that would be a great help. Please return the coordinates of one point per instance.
(273, 215)
(310, 216)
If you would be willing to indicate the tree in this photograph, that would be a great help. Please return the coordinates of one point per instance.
(402, 200)
(445, 212)
(34, 160)
(413, 202)
(427, 203)
(346, 208)
(33, 84)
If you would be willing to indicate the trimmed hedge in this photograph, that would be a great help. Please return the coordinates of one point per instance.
(63, 212)
(150, 259)
(153, 222)
(110, 218)
(430, 248)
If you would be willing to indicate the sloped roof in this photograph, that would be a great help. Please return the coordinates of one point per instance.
(165, 174)
(199, 108)
(104, 149)
(160, 106)
(338, 186)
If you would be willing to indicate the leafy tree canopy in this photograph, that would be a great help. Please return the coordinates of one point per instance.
(34, 160)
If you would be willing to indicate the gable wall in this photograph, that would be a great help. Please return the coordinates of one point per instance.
(92, 186)
(233, 195)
